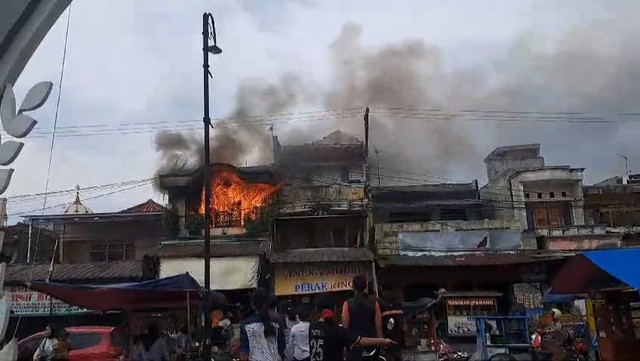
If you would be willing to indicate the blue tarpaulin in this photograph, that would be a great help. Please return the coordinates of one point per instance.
(594, 269)
(168, 292)
(558, 298)
(623, 264)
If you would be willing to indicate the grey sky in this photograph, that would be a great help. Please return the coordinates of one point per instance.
(139, 61)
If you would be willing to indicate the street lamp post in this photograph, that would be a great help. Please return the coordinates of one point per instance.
(208, 31)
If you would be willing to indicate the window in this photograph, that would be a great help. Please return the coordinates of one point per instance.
(539, 195)
(344, 174)
(108, 252)
(552, 195)
(549, 215)
(526, 195)
(399, 217)
(453, 214)
(80, 341)
(339, 237)
(564, 194)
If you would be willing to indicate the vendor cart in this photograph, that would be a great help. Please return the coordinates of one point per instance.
(502, 338)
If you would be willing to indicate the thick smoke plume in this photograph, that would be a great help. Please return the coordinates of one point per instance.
(593, 67)
(242, 136)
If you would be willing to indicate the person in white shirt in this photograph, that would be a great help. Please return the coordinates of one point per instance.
(299, 338)
(44, 351)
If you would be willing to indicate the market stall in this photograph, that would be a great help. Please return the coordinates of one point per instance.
(612, 280)
(170, 302)
(421, 339)
(502, 335)
(462, 307)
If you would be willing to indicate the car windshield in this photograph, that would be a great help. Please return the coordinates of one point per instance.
(84, 340)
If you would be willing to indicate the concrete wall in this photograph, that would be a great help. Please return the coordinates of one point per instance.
(77, 238)
(326, 175)
(507, 193)
(387, 233)
(583, 242)
(497, 166)
(572, 231)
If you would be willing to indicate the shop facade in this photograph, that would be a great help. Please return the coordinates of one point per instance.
(302, 275)
(31, 311)
(236, 266)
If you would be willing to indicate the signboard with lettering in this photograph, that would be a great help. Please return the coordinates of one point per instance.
(461, 312)
(471, 301)
(316, 278)
(30, 303)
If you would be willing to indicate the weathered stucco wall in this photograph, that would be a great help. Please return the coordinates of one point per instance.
(387, 233)
(583, 242)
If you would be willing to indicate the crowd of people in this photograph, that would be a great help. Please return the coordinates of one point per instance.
(266, 336)
(303, 333)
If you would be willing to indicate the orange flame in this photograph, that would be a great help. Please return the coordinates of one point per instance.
(233, 200)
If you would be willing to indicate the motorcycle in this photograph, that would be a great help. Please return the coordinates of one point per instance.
(447, 353)
(576, 349)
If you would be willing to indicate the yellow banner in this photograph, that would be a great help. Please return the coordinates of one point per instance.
(317, 278)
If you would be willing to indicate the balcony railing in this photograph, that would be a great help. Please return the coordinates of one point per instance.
(334, 197)
(564, 231)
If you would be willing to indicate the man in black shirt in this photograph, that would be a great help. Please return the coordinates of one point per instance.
(328, 340)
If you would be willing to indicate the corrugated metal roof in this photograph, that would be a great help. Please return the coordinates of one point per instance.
(466, 259)
(125, 271)
(322, 255)
(218, 249)
(149, 206)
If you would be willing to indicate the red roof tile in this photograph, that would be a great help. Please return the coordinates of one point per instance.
(147, 207)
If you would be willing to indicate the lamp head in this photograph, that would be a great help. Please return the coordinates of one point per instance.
(214, 49)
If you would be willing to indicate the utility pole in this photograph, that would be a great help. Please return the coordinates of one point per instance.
(207, 20)
(369, 206)
(378, 164)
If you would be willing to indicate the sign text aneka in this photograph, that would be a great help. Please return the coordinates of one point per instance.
(304, 279)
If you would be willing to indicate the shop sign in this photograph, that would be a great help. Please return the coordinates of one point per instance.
(471, 301)
(319, 278)
(27, 302)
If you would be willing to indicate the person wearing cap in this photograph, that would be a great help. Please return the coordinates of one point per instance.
(328, 340)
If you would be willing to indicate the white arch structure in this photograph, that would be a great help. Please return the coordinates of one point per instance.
(23, 26)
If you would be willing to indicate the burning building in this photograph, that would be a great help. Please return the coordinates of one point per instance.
(307, 210)
(319, 233)
(241, 198)
(239, 195)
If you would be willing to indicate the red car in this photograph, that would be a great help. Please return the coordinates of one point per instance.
(88, 343)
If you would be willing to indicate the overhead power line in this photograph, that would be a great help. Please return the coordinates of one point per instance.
(142, 184)
(468, 115)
